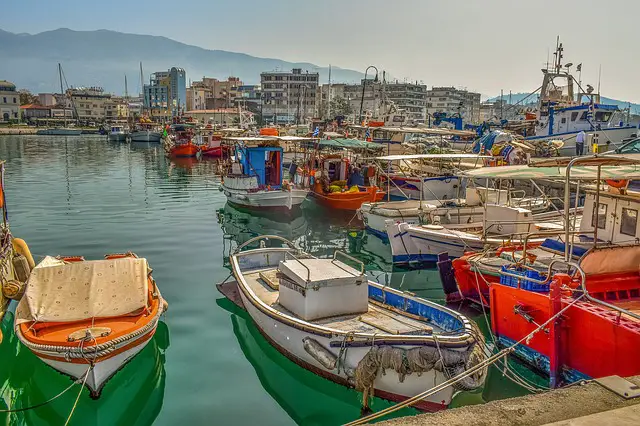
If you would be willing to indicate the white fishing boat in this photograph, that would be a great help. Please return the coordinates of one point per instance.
(87, 319)
(466, 211)
(328, 318)
(118, 133)
(256, 177)
(414, 243)
(146, 135)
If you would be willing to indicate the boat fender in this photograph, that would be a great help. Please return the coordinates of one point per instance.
(321, 354)
(620, 183)
(21, 247)
(21, 268)
(13, 289)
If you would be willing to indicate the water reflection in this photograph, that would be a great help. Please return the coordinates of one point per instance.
(134, 396)
(302, 394)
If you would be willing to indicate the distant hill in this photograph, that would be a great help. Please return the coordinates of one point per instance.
(518, 97)
(102, 58)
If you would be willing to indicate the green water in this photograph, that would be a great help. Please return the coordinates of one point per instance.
(207, 364)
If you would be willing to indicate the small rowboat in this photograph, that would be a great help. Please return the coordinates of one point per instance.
(87, 319)
(347, 200)
(188, 149)
(325, 316)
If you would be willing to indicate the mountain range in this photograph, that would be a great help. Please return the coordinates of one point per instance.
(518, 97)
(102, 58)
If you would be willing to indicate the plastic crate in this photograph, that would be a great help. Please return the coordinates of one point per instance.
(524, 283)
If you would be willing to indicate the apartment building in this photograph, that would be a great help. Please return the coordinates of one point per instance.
(409, 97)
(453, 101)
(289, 96)
(166, 93)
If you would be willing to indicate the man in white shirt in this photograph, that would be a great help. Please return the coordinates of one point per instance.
(580, 139)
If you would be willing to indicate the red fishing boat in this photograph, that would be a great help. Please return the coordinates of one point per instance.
(214, 148)
(188, 149)
(585, 292)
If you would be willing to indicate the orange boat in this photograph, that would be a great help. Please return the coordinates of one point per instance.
(347, 200)
(188, 149)
(87, 319)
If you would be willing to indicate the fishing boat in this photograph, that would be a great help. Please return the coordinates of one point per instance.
(256, 177)
(331, 187)
(325, 315)
(146, 133)
(87, 319)
(595, 295)
(616, 206)
(187, 149)
(118, 133)
(465, 211)
(214, 148)
(182, 144)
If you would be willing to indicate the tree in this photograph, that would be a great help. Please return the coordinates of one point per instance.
(340, 106)
(27, 98)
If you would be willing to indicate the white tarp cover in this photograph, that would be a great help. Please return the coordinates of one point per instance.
(81, 290)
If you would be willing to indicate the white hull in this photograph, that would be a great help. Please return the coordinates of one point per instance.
(614, 135)
(272, 199)
(433, 188)
(146, 136)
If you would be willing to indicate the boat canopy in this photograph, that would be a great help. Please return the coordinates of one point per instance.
(596, 160)
(429, 131)
(627, 171)
(348, 143)
(446, 156)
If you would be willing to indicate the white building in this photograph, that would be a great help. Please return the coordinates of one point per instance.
(289, 97)
(453, 101)
(9, 102)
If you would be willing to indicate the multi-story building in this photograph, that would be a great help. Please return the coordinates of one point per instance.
(197, 98)
(166, 93)
(32, 112)
(218, 93)
(328, 93)
(452, 101)
(46, 99)
(91, 104)
(378, 96)
(9, 102)
(289, 96)
(249, 97)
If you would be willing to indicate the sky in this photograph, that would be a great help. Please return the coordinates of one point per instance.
(484, 46)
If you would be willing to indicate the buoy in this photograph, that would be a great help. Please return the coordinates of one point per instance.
(22, 248)
(13, 289)
(21, 268)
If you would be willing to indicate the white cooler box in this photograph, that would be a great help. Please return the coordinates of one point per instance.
(320, 288)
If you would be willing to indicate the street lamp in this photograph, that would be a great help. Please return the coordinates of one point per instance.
(364, 85)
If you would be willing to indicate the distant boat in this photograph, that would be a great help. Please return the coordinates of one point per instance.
(118, 133)
(61, 131)
(146, 135)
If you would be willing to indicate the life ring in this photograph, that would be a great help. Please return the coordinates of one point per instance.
(21, 247)
(618, 183)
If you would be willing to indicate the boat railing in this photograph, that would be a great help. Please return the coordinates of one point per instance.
(545, 234)
(264, 238)
(293, 257)
(582, 287)
(351, 258)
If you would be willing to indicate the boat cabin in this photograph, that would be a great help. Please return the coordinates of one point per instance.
(577, 118)
(615, 219)
(261, 164)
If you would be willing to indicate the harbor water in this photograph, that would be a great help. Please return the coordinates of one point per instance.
(207, 363)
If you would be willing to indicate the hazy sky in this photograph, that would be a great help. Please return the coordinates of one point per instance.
(484, 46)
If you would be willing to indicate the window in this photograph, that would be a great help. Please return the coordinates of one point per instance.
(629, 222)
(564, 120)
(14, 100)
(602, 216)
(574, 115)
(603, 116)
(583, 117)
(4, 100)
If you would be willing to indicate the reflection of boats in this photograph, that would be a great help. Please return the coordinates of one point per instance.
(344, 310)
(186, 163)
(256, 179)
(299, 392)
(88, 318)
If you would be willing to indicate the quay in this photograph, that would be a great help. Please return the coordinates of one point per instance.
(588, 404)
(18, 130)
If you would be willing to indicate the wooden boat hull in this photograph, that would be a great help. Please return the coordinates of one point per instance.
(347, 200)
(274, 199)
(289, 335)
(185, 150)
(146, 136)
(215, 152)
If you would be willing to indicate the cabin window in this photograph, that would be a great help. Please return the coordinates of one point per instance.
(583, 116)
(628, 222)
(603, 115)
(564, 120)
(601, 216)
(574, 115)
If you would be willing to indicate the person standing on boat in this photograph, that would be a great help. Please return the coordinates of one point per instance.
(580, 139)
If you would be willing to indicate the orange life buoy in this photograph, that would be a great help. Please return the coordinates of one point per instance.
(618, 183)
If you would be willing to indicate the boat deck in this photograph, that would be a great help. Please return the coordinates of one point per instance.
(378, 319)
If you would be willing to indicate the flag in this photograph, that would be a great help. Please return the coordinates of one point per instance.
(316, 132)
(579, 67)
(367, 134)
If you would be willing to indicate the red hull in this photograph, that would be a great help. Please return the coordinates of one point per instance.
(347, 200)
(471, 286)
(212, 152)
(186, 150)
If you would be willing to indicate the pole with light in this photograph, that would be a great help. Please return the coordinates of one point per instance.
(364, 85)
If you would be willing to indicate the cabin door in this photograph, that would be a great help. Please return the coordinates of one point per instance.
(273, 167)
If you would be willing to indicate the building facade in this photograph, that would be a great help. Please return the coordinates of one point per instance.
(289, 97)
(379, 96)
(452, 101)
(91, 104)
(166, 93)
(9, 102)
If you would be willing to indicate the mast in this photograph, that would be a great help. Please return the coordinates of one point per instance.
(329, 96)
(142, 86)
(64, 104)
